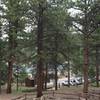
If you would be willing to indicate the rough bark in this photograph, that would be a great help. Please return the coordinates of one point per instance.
(85, 68)
(10, 62)
(86, 49)
(97, 67)
(55, 60)
(40, 62)
(12, 46)
(9, 87)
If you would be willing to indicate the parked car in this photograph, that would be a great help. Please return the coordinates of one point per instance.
(64, 82)
(50, 85)
(79, 80)
(73, 81)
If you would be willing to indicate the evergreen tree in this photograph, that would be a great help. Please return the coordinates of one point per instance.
(12, 14)
(87, 23)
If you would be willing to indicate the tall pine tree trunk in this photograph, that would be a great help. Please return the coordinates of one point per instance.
(86, 48)
(10, 61)
(40, 62)
(97, 67)
(12, 47)
(55, 60)
(10, 66)
(85, 67)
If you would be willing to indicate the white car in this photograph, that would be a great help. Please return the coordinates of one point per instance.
(50, 85)
(64, 82)
(77, 80)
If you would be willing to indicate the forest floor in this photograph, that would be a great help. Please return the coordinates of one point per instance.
(65, 89)
(4, 96)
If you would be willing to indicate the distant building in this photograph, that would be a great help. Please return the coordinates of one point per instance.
(29, 82)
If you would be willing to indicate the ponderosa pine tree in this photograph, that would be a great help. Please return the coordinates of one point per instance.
(87, 28)
(40, 36)
(12, 15)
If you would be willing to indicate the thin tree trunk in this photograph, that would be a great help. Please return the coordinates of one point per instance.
(68, 73)
(10, 65)
(86, 49)
(68, 65)
(0, 59)
(97, 67)
(85, 68)
(46, 76)
(55, 60)
(0, 80)
(56, 77)
(17, 86)
(68, 59)
(40, 62)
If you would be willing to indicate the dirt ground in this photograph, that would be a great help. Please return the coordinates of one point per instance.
(4, 96)
(74, 89)
(7, 96)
